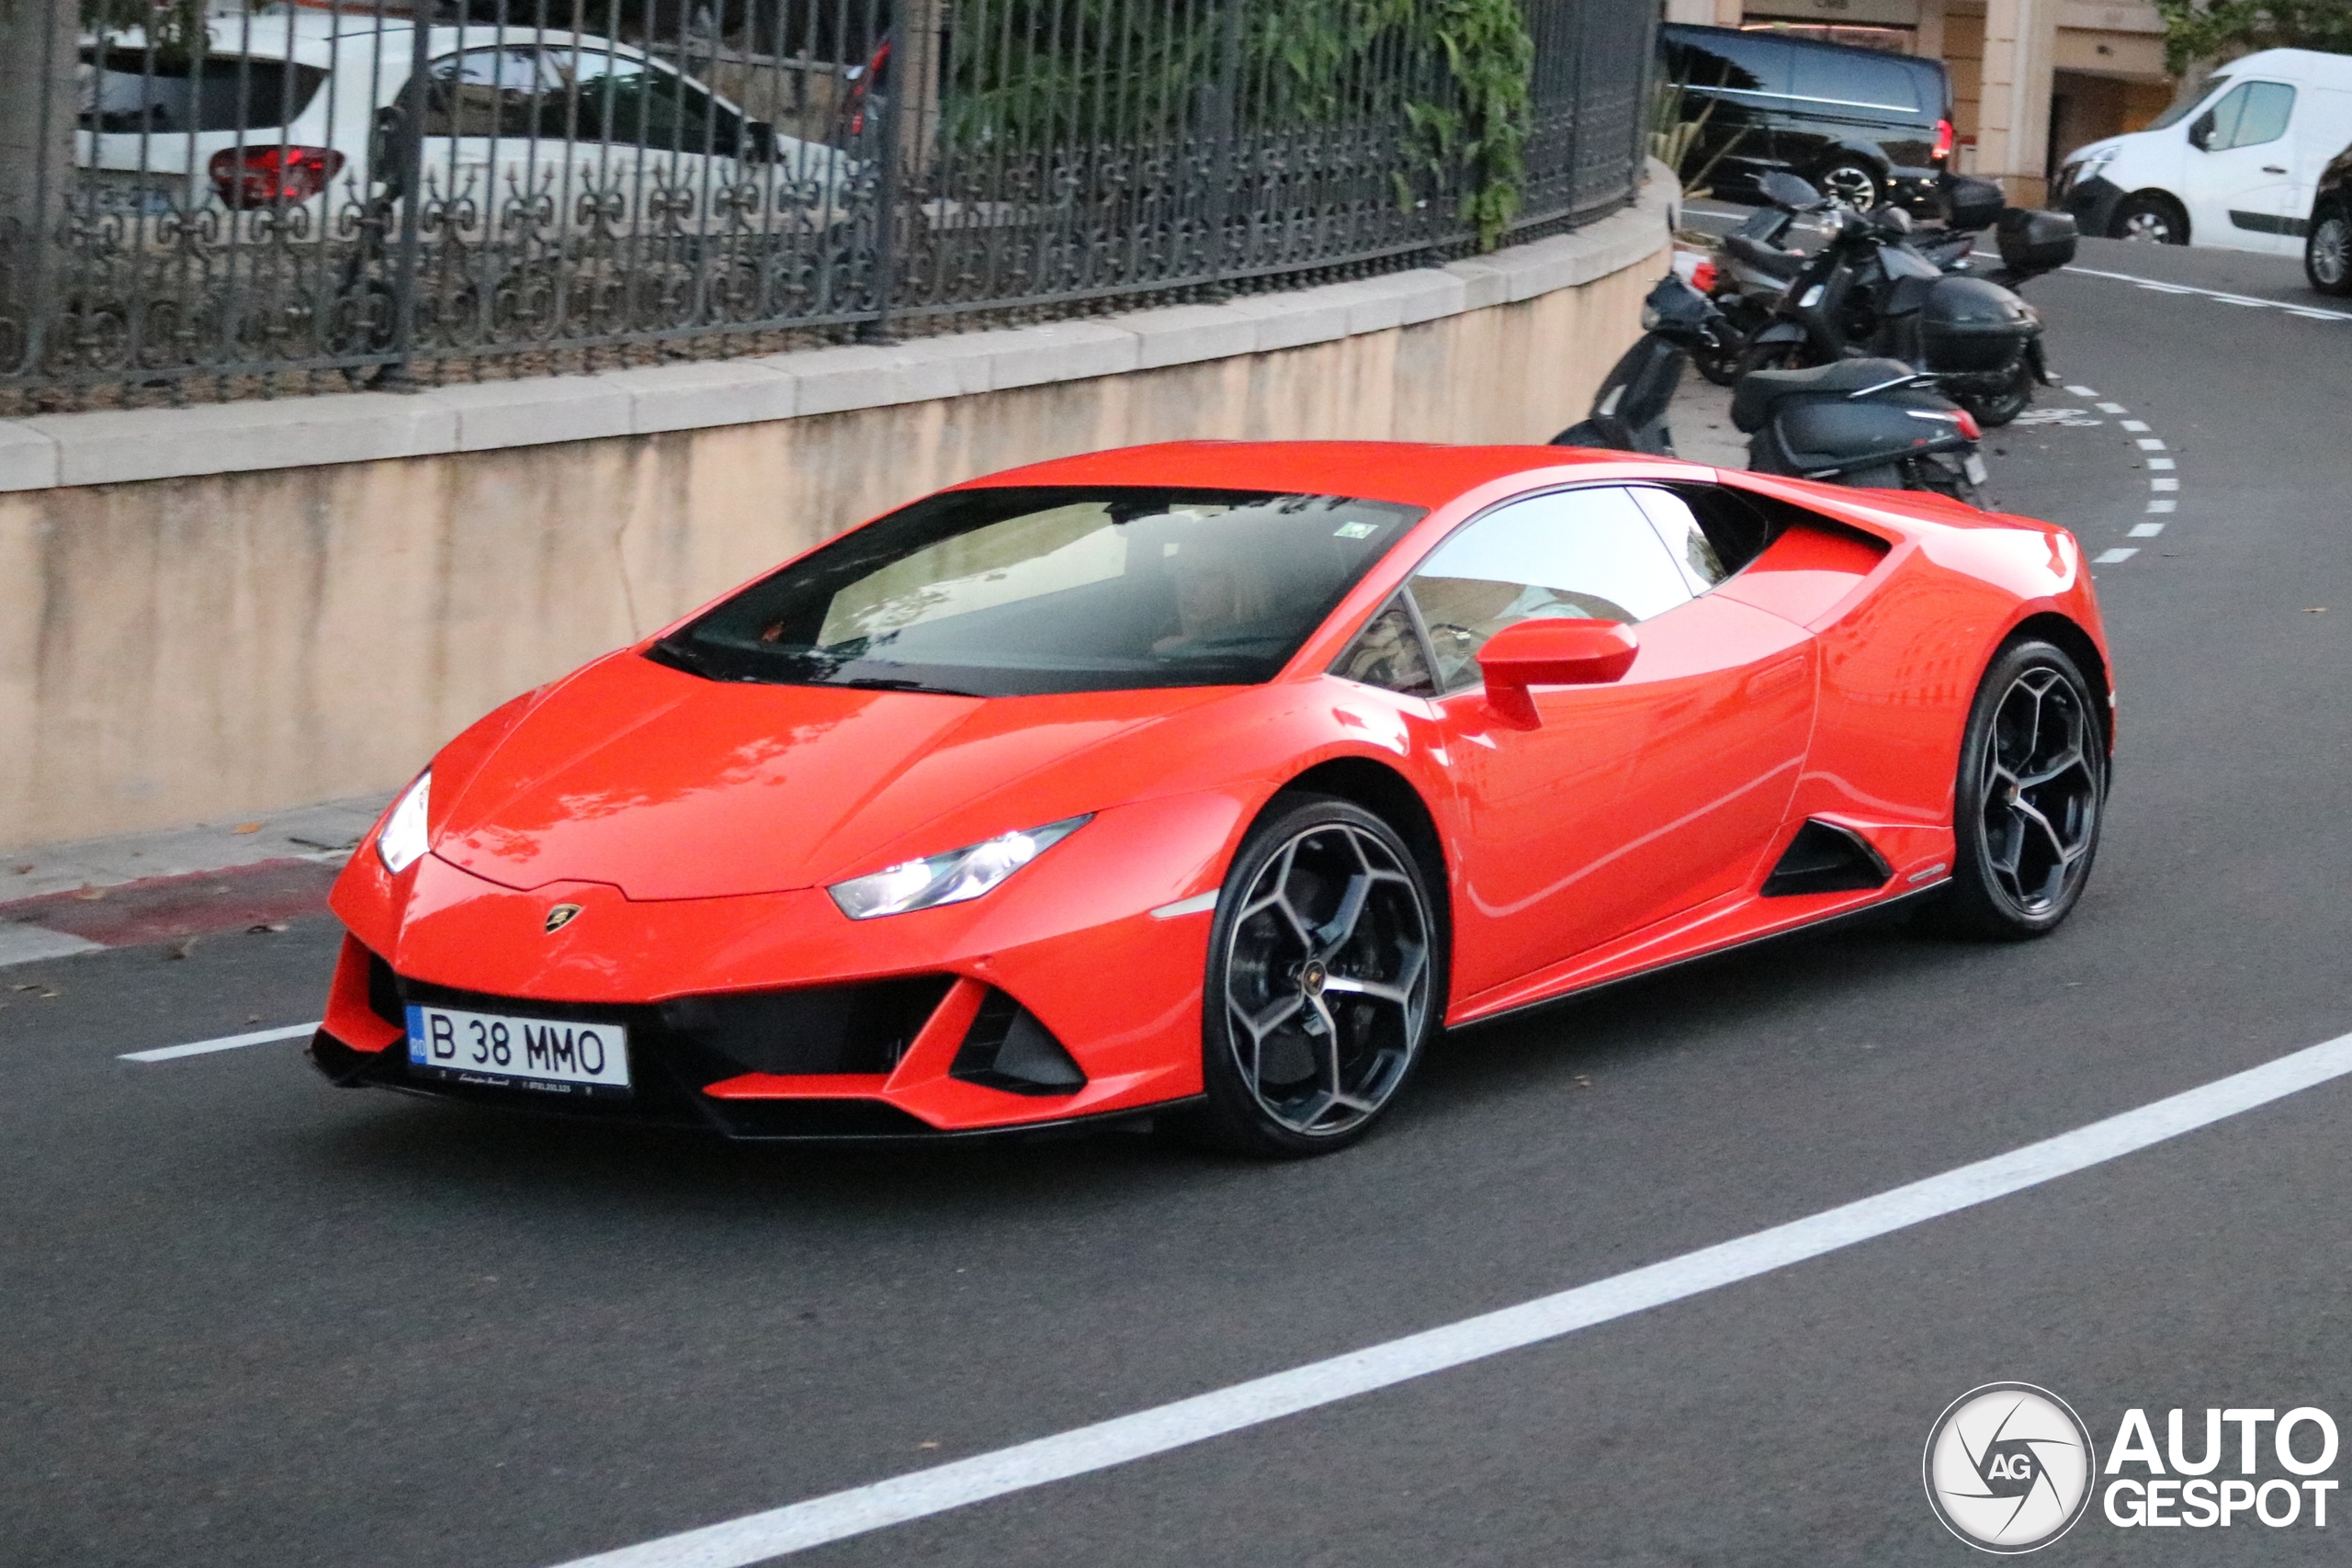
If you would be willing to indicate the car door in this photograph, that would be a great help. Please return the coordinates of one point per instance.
(2240, 176)
(1629, 801)
(1730, 85)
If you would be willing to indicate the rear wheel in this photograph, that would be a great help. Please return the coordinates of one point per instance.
(2031, 788)
(1848, 181)
(2327, 250)
(1995, 409)
(1325, 982)
(2152, 219)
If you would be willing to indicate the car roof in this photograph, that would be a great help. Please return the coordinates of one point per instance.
(1701, 33)
(2311, 65)
(1413, 473)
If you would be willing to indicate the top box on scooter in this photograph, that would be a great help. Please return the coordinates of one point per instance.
(2035, 241)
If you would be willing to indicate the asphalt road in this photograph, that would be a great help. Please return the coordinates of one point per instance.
(246, 1318)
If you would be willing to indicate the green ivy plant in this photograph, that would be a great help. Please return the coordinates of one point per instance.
(1454, 74)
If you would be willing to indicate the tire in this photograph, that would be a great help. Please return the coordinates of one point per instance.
(1718, 363)
(1994, 410)
(1850, 182)
(1277, 1090)
(1777, 356)
(2156, 219)
(2029, 798)
(2327, 249)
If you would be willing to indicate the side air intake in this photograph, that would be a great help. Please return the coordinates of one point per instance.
(1007, 1048)
(1825, 858)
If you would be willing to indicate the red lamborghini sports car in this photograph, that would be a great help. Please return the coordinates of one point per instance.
(1211, 781)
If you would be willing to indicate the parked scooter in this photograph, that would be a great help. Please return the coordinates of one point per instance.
(1869, 290)
(1871, 424)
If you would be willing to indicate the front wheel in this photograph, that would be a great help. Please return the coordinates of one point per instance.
(2152, 219)
(2327, 250)
(2032, 785)
(1325, 982)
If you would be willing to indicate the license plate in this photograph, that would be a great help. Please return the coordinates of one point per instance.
(546, 1056)
(1973, 467)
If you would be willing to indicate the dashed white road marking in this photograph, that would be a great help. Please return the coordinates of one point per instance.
(2148, 442)
(2163, 506)
(2110, 557)
(2147, 530)
(2089, 392)
(2309, 312)
(226, 1043)
(2119, 407)
(921, 1493)
(2159, 465)
(2161, 483)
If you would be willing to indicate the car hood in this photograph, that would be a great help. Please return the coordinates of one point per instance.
(668, 786)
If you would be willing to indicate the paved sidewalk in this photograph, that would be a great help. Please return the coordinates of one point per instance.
(164, 886)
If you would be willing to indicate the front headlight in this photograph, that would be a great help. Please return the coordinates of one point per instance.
(950, 879)
(402, 843)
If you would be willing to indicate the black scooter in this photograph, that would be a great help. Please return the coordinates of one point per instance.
(1871, 424)
(1871, 291)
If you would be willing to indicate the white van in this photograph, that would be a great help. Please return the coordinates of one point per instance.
(2235, 168)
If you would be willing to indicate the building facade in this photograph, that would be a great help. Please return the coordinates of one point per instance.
(2032, 79)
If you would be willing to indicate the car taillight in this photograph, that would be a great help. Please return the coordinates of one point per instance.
(269, 176)
(1943, 142)
(1703, 276)
(1969, 427)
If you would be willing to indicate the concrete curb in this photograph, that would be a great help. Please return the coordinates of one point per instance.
(126, 446)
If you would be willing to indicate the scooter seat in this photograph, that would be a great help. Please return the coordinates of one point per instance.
(1752, 400)
(1770, 260)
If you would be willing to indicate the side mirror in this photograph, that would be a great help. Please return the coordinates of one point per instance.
(2200, 132)
(1551, 653)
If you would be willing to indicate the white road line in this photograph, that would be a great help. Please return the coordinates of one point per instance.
(921, 1493)
(2159, 465)
(2147, 530)
(2089, 392)
(2116, 408)
(2163, 484)
(2129, 423)
(2164, 506)
(2149, 443)
(2310, 312)
(2111, 558)
(226, 1043)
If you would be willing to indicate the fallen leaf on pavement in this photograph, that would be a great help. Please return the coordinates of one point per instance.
(246, 828)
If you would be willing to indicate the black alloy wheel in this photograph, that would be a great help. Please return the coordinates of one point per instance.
(2153, 219)
(2327, 249)
(1326, 981)
(1850, 183)
(2032, 787)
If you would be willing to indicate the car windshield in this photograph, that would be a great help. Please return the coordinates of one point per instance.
(2179, 112)
(1012, 591)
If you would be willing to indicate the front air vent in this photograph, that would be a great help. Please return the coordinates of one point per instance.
(825, 1029)
(1826, 858)
(1007, 1048)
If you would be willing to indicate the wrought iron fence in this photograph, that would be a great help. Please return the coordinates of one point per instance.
(201, 200)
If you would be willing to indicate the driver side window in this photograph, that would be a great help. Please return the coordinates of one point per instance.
(1575, 554)
(2248, 115)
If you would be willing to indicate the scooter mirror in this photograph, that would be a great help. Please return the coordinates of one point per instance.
(1782, 188)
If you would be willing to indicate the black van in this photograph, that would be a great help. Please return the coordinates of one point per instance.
(1858, 123)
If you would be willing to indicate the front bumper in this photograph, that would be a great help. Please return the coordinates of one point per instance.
(773, 1016)
(2092, 201)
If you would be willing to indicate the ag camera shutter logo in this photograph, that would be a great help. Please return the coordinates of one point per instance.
(2009, 1468)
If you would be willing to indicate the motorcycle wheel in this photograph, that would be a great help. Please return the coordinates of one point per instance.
(1932, 473)
(1994, 410)
(1717, 363)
